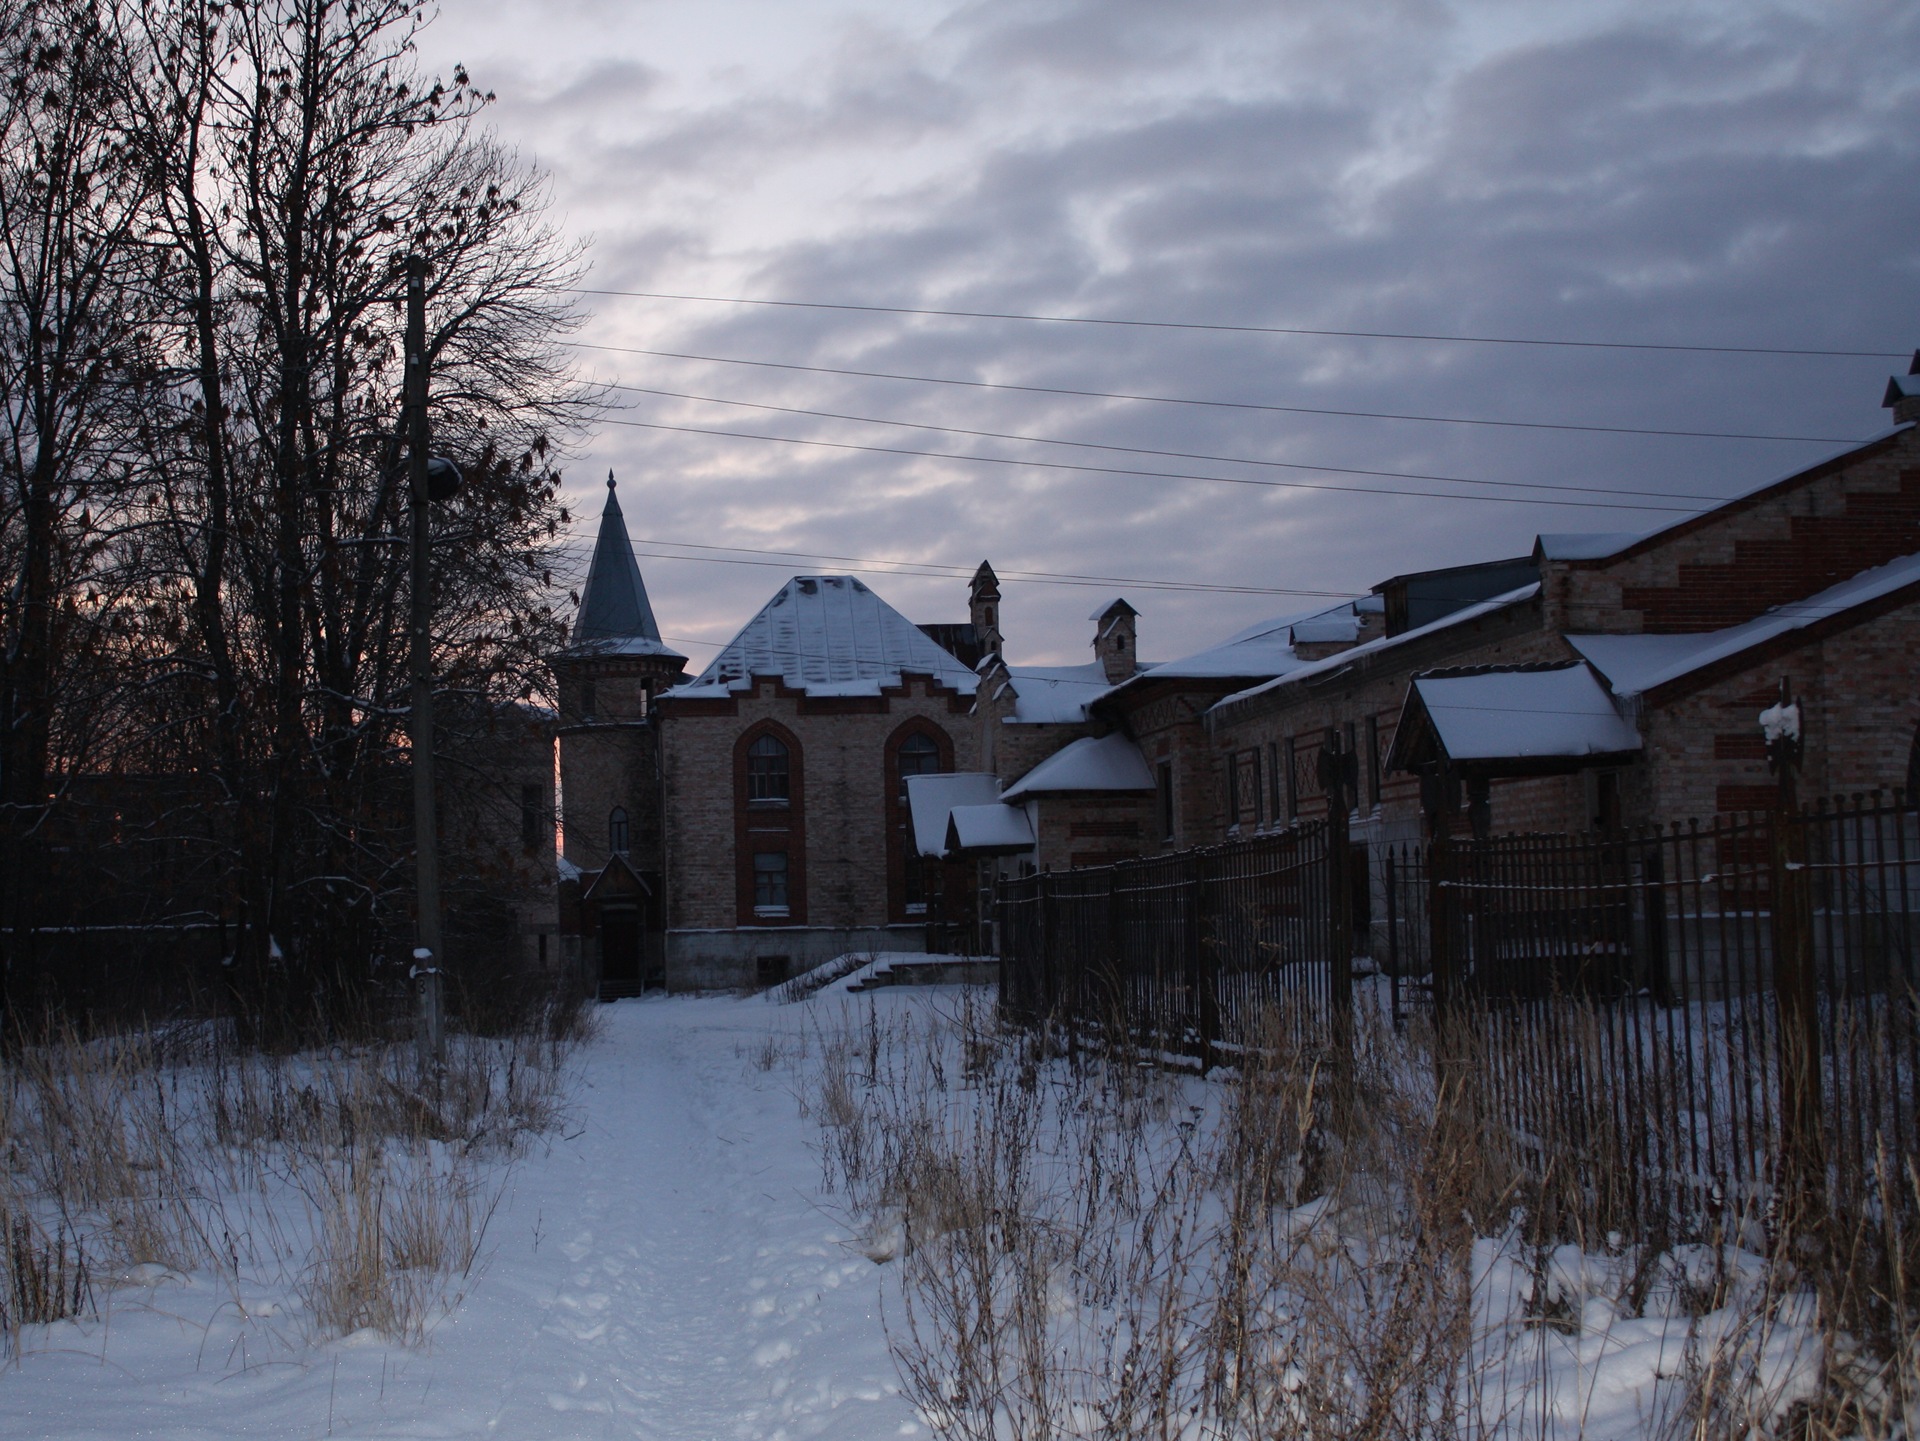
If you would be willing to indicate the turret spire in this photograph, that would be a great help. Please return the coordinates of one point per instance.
(614, 604)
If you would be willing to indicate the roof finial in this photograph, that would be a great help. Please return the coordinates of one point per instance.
(609, 477)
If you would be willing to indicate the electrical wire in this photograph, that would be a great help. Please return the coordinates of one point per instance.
(1208, 404)
(1252, 329)
(1150, 474)
(1168, 454)
(941, 570)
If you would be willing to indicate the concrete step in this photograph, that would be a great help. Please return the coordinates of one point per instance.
(935, 971)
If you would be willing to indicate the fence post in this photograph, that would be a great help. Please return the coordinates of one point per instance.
(1796, 995)
(1199, 977)
(1339, 774)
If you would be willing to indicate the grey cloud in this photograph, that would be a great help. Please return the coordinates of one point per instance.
(1751, 183)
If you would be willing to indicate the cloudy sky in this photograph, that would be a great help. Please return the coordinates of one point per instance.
(1737, 175)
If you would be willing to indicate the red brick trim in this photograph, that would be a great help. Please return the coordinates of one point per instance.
(899, 824)
(770, 828)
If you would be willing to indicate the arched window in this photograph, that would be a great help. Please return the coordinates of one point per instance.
(1913, 769)
(918, 756)
(617, 837)
(769, 780)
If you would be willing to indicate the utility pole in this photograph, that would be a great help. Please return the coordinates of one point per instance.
(427, 953)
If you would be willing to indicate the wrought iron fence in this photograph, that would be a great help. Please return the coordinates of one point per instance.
(1676, 1024)
(1177, 951)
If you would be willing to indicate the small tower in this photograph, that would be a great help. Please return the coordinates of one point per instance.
(983, 609)
(611, 833)
(1113, 640)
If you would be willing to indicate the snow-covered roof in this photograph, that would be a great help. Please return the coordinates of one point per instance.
(1901, 387)
(828, 635)
(1104, 763)
(988, 828)
(1388, 642)
(1055, 695)
(1335, 626)
(1525, 714)
(1753, 490)
(1261, 650)
(615, 616)
(1586, 545)
(1635, 664)
(932, 798)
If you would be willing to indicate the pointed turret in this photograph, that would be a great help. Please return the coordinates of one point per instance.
(614, 606)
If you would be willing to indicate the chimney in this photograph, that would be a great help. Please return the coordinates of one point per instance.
(1903, 393)
(983, 609)
(1113, 640)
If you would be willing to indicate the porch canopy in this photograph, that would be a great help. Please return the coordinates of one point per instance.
(1489, 722)
(931, 799)
(991, 830)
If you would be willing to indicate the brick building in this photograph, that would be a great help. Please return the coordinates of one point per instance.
(1598, 680)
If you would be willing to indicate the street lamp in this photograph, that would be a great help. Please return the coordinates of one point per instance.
(431, 478)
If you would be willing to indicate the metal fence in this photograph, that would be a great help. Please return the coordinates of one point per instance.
(1176, 951)
(1691, 1018)
(1676, 1024)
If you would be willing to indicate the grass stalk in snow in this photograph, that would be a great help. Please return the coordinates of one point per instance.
(344, 1177)
(1092, 1246)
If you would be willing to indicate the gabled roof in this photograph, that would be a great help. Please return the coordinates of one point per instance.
(1636, 664)
(1709, 513)
(989, 830)
(1053, 694)
(1388, 642)
(829, 635)
(1107, 763)
(931, 799)
(1511, 718)
(615, 616)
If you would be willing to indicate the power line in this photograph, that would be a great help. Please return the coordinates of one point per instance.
(1151, 474)
(1254, 329)
(1168, 454)
(1212, 404)
(942, 570)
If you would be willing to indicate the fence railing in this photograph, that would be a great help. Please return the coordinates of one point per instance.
(1680, 1022)
(1179, 950)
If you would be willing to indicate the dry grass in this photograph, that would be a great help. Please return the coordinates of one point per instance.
(359, 1184)
(1091, 1246)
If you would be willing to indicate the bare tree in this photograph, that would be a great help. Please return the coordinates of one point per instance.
(295, 158)
(72, 337)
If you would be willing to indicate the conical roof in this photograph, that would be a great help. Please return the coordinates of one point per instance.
(615, 615)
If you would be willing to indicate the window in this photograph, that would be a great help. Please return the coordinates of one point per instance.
(768, 781)
(617, 838)
(586, 700)
(1246, 788)
(532, 798)
(1293, 779)
(919, 756)
(770, 883)
(1163, 793)
(1373, 760)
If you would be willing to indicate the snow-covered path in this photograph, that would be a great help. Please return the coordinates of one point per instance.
(662, 1271)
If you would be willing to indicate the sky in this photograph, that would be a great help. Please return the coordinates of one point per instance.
(1732, 175)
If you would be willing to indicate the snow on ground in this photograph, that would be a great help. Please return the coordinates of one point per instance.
(663, 1269)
